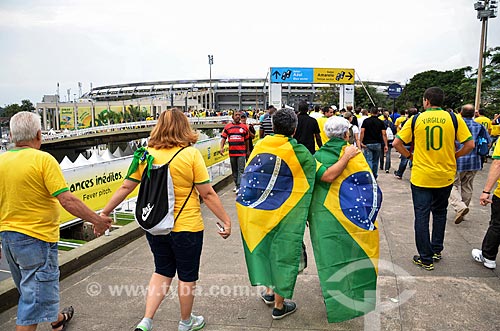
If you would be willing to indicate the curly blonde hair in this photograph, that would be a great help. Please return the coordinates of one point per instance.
(172, 130)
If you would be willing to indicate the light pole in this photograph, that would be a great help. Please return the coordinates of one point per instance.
(210, 62)
(485, 9)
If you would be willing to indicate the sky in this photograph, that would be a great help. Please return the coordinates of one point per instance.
(103, 42)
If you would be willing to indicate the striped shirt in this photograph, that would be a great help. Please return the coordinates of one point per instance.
(236, 134)
(267, 126)
(471, 161)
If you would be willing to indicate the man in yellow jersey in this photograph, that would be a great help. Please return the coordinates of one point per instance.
(486, 122)
(29, 223)
(401, 119)
(491, 241)
(483, 120)
(433, 133)
(327, 113)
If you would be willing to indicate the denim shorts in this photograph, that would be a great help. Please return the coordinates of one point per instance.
(177, 251)
(35, 270)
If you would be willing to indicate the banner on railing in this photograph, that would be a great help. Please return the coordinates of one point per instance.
(95, 184)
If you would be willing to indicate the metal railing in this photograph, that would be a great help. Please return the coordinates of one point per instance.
(126, 126)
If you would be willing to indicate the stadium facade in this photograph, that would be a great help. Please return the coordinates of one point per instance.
(154, 97)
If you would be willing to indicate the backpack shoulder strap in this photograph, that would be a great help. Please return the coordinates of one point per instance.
(175, 154)
(413, 121)
(184, 204)
(454, 120)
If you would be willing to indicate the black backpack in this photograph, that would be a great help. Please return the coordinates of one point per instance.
(154, 210)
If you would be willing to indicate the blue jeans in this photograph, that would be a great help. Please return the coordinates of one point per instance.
(385, 160)
(35, 270)
(402, 164)
(426, 201)
(372, 155)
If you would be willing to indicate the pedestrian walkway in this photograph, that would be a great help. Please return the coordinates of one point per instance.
(459, 294)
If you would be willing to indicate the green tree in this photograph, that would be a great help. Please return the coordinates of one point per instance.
(327, 96)
(134, 113)
(457, 85)
(361, 98)
(27, 105)
(12, 109)
(491, 82)
(103, 118)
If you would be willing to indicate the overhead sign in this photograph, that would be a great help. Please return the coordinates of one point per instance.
(291, 75)
(394, 90)
(333, 76)
(312, 75)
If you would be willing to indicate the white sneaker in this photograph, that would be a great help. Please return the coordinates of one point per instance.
(235, 190)
(477, 255)
(196, 323)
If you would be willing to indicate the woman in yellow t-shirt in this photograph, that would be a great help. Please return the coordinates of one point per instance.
(180, 250)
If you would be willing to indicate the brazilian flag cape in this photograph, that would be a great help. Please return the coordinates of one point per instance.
(272, 205)
(344, 235)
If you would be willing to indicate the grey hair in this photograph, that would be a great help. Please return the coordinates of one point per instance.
(336, 126)
(284, 122)
(24, 126)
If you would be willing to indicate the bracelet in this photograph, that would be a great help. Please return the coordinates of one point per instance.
(486, 192)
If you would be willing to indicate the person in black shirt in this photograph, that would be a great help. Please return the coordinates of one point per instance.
(307, 129)
(372, 138)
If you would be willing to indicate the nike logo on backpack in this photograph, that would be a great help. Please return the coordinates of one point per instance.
(146, 211)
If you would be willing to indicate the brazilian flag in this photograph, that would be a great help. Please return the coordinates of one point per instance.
(272, 205)
(344, 235)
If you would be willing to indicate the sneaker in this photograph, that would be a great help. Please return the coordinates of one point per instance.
(436, 257)
(418, 261)
(397, 175)
(267, 298)
(195, 323)
(387, 171)
(477, 255)
(289, 307)
(235, 190)
(460, 215)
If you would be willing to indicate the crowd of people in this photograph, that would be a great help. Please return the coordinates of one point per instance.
(292, 177)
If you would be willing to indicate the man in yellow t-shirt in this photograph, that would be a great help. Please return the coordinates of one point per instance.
(401, 119)
(483, 120)
(433, 172)
(29, 223)
(327, 113)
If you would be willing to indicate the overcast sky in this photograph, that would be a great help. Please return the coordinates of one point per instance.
(112, 42)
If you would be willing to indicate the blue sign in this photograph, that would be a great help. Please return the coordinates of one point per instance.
(394, 90)
(292, 75)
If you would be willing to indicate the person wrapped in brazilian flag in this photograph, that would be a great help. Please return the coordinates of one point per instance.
(343, 228)
(273, 203)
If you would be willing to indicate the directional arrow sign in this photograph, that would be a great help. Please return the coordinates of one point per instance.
(291, 75)
(334, 75)
(312, 75)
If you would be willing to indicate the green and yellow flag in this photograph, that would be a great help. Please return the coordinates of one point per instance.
(344, 235)
(272, 205)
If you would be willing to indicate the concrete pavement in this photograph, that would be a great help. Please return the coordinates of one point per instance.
(459, 294)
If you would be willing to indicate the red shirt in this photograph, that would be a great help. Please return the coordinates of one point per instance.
(236, 134)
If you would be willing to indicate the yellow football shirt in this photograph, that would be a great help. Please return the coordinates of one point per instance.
(321, 124)
(187, 168)
(495, 130)
(29, 184)
(434, 163)
(398, 122)
(484, 121)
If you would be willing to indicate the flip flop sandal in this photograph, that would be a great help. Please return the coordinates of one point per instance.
(67, 316)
